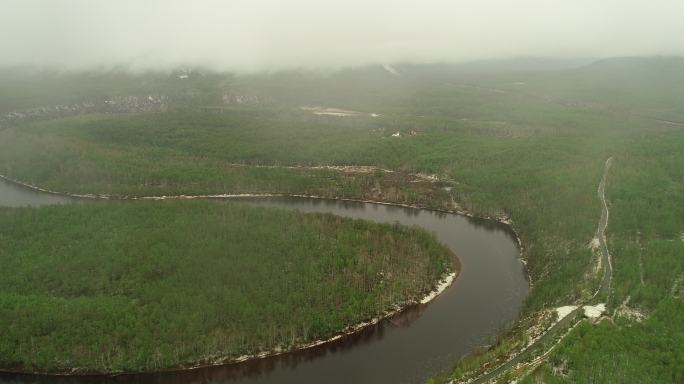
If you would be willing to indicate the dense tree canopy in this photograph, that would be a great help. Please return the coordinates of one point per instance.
(144, 286)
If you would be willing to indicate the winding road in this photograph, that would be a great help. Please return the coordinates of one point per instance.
(603, 292)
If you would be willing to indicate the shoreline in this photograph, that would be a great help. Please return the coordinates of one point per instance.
(441, 285)
(445, 281)
(502, 219)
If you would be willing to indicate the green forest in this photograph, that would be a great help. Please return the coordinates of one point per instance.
(172, 284)
(527, 143)
(642, 341)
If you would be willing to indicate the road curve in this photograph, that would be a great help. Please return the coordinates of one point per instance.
(604, 288)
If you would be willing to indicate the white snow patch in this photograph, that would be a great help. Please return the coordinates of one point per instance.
(374, 114)
(320, 111)
(397, 134)
(594, 311)
(391, 70)
(444, 284)
(504, 219)
(564, 311)
(632, 314)
(682, 236)
(183, 76)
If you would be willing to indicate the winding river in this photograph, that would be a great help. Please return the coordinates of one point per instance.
(408, 348)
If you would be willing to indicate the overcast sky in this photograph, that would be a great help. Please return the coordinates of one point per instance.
(253, 35)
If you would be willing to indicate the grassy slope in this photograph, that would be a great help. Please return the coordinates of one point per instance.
(168, 284)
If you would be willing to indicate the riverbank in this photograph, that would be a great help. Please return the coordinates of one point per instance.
(535, 153)
(566, 316)
(355, 329)
(444, 283)
(456, 209)
(395, 308)
(462, 238)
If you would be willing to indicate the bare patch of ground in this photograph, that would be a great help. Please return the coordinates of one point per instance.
(325, 111)
(668, 122)
(595, 246)
(351, 168)
(631, 313)
(230, 98)
(391, 70)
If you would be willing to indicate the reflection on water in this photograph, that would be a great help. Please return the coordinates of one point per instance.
(409, 348)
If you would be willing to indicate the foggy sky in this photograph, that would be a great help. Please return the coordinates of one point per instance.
(254, 35)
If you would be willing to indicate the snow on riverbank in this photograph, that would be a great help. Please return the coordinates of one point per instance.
(446, 281)
(444, 284)
(594, 311)
(441, 287)
(564, 311)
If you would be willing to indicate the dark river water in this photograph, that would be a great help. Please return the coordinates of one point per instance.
(408, 348)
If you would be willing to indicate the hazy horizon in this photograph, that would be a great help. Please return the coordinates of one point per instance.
(267, 35)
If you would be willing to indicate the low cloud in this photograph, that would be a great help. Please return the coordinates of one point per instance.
(256, 35)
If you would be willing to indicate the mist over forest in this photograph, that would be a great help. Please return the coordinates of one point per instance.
(341, 191)
(268, 35)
